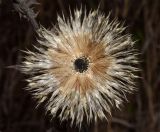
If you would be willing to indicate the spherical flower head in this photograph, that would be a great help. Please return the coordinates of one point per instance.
(83, 67)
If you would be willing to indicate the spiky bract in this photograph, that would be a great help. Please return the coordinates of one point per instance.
(83, 68)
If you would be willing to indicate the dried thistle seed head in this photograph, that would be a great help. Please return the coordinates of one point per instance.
(84, 67)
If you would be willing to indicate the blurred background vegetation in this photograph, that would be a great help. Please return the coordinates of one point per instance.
(18, 110)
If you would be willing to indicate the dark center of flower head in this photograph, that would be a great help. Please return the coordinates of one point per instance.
(81, 64)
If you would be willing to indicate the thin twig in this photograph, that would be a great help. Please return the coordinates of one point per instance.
(25, 10)
(123, 123)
